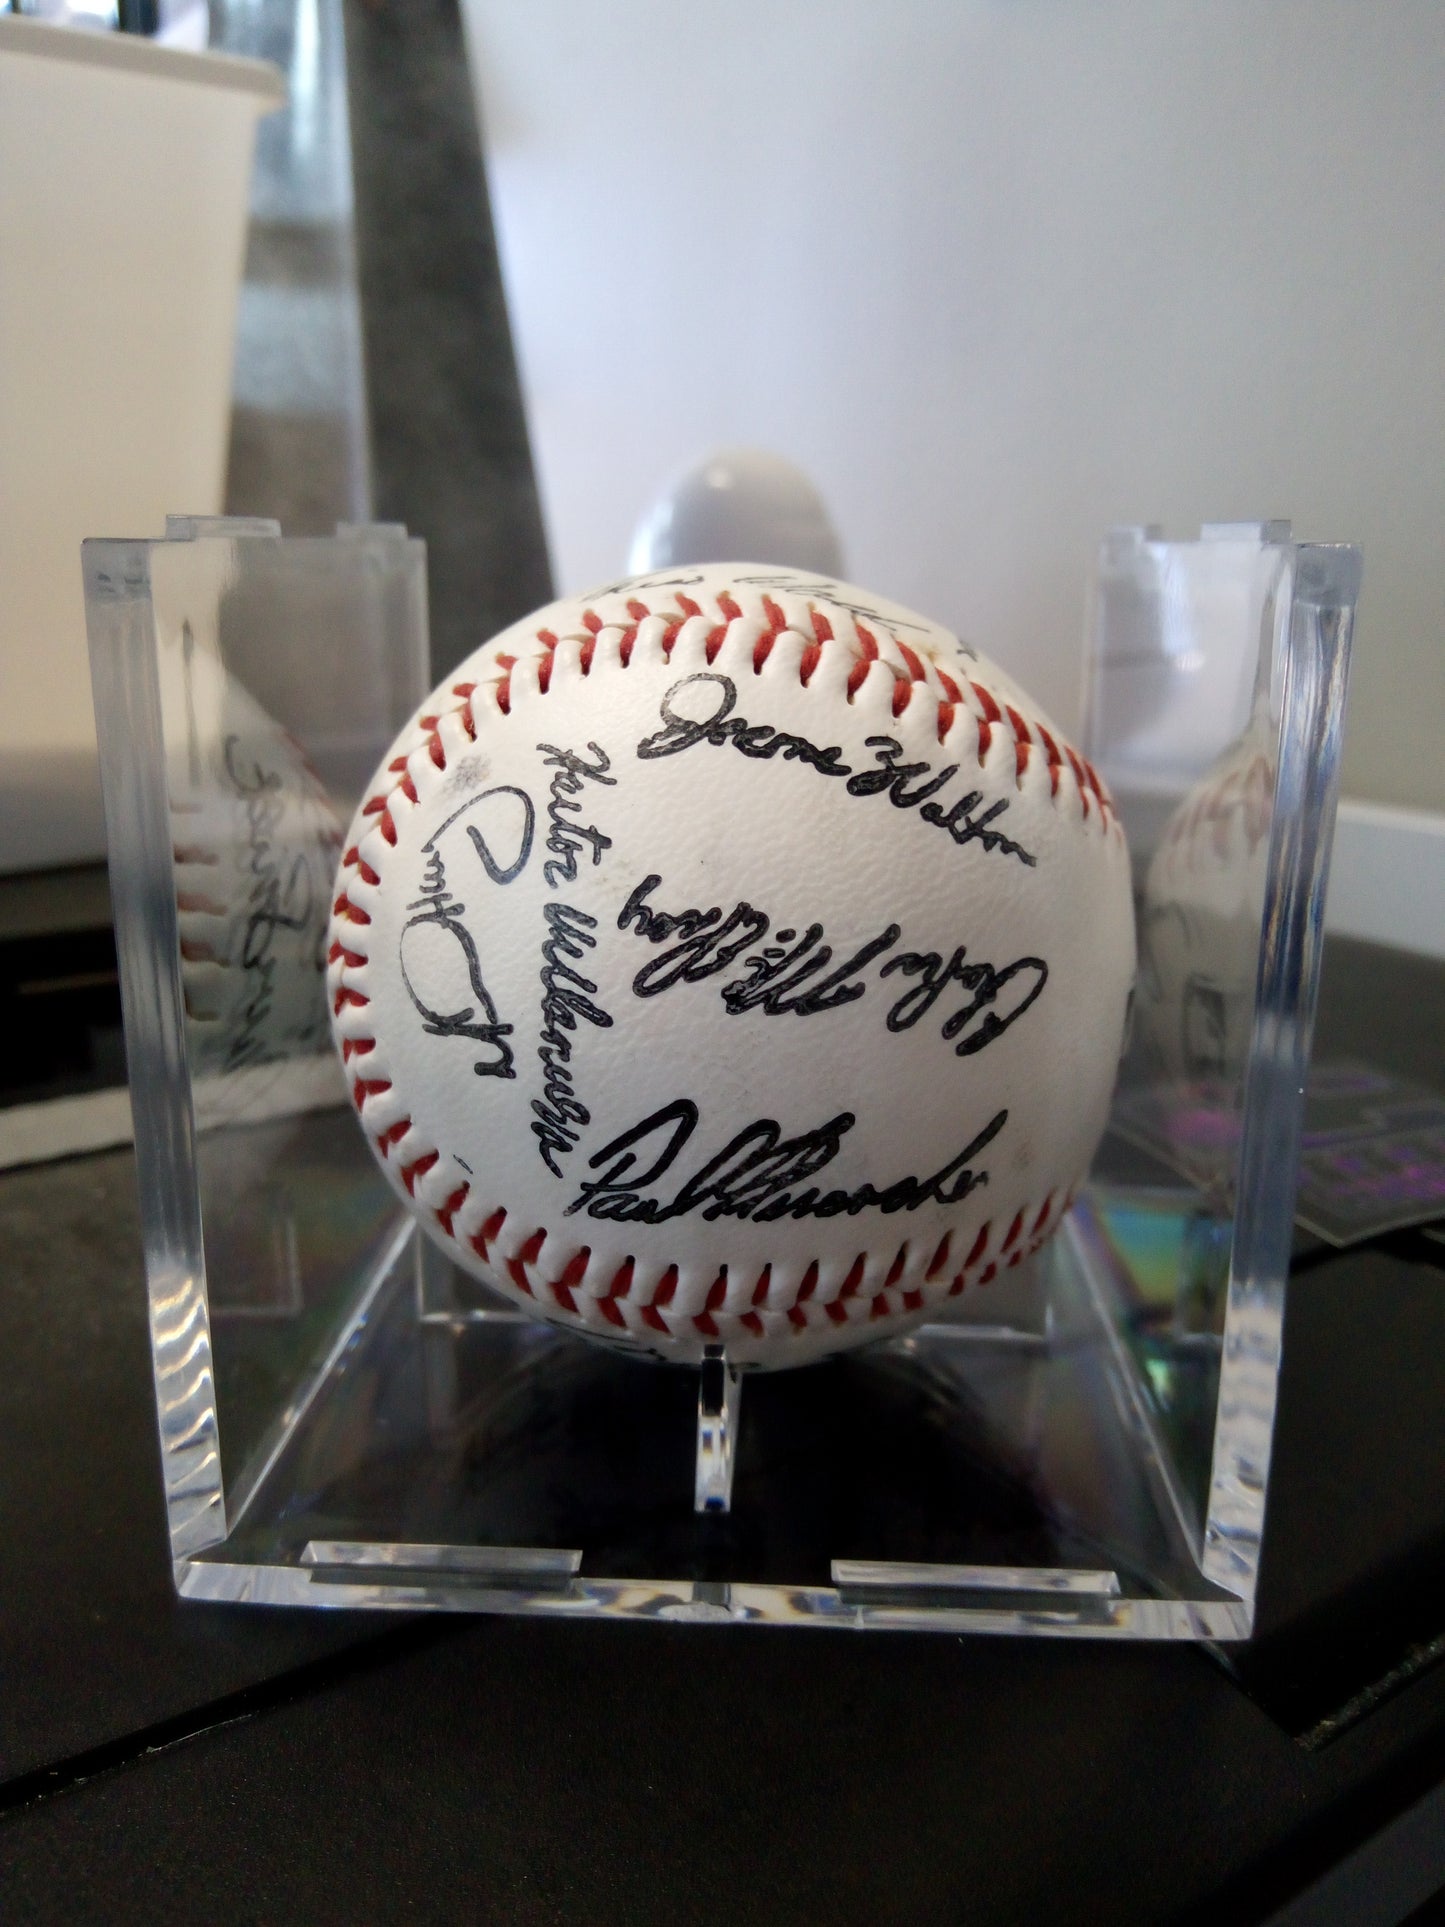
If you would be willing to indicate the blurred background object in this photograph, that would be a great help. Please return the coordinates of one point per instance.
(372, 375)
(124, 171)
(998, 277)
(171, 23)
(298, 442)
(738, 505)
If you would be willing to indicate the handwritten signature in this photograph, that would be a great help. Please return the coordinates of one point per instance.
(435, 943)
(708, 717)
(759, 1175)
(785, 974)
(565, 839)
(567, 996)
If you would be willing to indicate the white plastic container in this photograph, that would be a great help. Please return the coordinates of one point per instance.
(124, 177)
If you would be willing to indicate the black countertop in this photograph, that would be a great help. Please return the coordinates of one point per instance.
(266, 1765)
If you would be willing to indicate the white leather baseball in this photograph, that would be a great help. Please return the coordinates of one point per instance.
(732, 958)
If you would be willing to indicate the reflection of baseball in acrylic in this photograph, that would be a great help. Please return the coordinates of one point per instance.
(1200, 918)
(731, 958)
(255, 842)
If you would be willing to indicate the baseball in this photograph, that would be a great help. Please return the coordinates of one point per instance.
(733, 959)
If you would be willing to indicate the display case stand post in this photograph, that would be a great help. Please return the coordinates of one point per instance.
(719, 1394)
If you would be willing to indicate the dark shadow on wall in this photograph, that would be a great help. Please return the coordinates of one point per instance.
(450, 455)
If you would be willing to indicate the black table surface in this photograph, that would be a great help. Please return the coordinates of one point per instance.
(236, 1763)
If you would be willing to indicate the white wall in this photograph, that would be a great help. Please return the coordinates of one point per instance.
(997, 273)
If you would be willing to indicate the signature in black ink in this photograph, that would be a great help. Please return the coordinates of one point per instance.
(709, 942)
(759, 1175)
(436, 941)
(565, 839)
(778, 978)
(959, 820)
(986, 984)
(715, 697)
(706, 940)
(282, 896)
(566, 996)
(718, 694)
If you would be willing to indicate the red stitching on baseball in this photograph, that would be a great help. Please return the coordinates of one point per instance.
(1076, 765)
(480, 1240)
(915, 667)
(516, 1266)
(940, 1257)
(409, 1173)
(447, 1212)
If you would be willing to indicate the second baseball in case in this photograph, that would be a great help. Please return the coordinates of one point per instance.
(733, 960)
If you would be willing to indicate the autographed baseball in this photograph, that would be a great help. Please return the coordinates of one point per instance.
(733, 959)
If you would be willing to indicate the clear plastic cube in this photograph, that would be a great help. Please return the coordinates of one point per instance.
(1083, 1448)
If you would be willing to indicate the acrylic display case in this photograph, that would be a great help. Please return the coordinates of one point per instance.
(1080, 1448)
